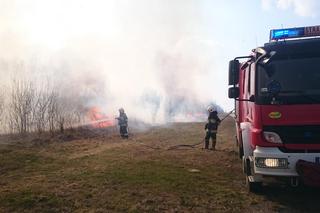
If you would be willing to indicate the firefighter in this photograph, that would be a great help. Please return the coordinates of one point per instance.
(212, 127)
(123, 123)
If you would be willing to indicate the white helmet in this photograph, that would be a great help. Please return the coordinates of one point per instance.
(211, 108)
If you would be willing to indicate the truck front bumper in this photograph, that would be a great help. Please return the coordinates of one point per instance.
(275, 153)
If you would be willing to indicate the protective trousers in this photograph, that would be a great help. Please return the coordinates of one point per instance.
(124, 131)
(213, 136)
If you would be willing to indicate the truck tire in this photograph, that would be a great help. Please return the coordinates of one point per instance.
(253, 187)
(246, 168)
(240, 147)
(240, 151)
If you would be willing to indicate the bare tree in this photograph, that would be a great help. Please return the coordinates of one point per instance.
(41, 109)
(52, 111)
(22, 98)
(62, 113)
(38, 109)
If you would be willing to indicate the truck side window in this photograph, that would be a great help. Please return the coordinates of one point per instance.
(252, 81)
(248, 77)
(243, 81)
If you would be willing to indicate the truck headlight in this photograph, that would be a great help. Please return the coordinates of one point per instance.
(272, 137)
(277, 163)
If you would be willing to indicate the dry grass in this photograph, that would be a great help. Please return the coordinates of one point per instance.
(107, 174)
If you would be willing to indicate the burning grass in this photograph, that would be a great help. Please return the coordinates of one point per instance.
(108, 174)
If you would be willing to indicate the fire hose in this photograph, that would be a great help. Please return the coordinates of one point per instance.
(185, 145)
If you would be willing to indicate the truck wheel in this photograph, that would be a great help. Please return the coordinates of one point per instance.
(240, 147)
(240, 151)
(246, 168)
(254, 187)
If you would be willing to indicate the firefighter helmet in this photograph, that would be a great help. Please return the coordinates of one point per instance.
(211, 108)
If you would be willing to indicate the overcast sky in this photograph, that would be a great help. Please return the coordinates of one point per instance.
(126, 48)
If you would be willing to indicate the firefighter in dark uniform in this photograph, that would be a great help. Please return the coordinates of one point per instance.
(212, 127)
(123, 123)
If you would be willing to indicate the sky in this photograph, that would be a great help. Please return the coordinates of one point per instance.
(120, 52)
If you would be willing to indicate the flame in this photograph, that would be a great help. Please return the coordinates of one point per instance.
(99, 119)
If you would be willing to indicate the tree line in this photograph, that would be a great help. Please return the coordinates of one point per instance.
(26, 107)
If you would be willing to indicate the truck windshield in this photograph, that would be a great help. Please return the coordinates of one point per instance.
(299, 79)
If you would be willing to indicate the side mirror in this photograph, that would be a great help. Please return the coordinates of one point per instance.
(234, 66)
(233, 92)
(268, 57)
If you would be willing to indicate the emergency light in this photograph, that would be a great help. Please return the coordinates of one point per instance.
(299, 32)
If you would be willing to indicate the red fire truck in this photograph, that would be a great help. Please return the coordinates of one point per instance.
(277, 105)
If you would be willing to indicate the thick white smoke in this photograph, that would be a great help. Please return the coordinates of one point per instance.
(147, 56)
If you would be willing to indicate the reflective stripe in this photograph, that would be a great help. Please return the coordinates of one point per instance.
(212, 120)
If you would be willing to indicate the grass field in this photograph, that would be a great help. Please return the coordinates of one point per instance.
(107, 174)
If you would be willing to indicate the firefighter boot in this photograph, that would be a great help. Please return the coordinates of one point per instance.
(206, 144)
(213, 145)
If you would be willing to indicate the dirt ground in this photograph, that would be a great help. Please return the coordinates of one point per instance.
(108, 174)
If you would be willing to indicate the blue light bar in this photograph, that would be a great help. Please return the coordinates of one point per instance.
(290, 33)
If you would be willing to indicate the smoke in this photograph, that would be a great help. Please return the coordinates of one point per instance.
(148, 56)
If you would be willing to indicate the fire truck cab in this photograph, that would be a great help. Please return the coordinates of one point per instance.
(277, 105)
